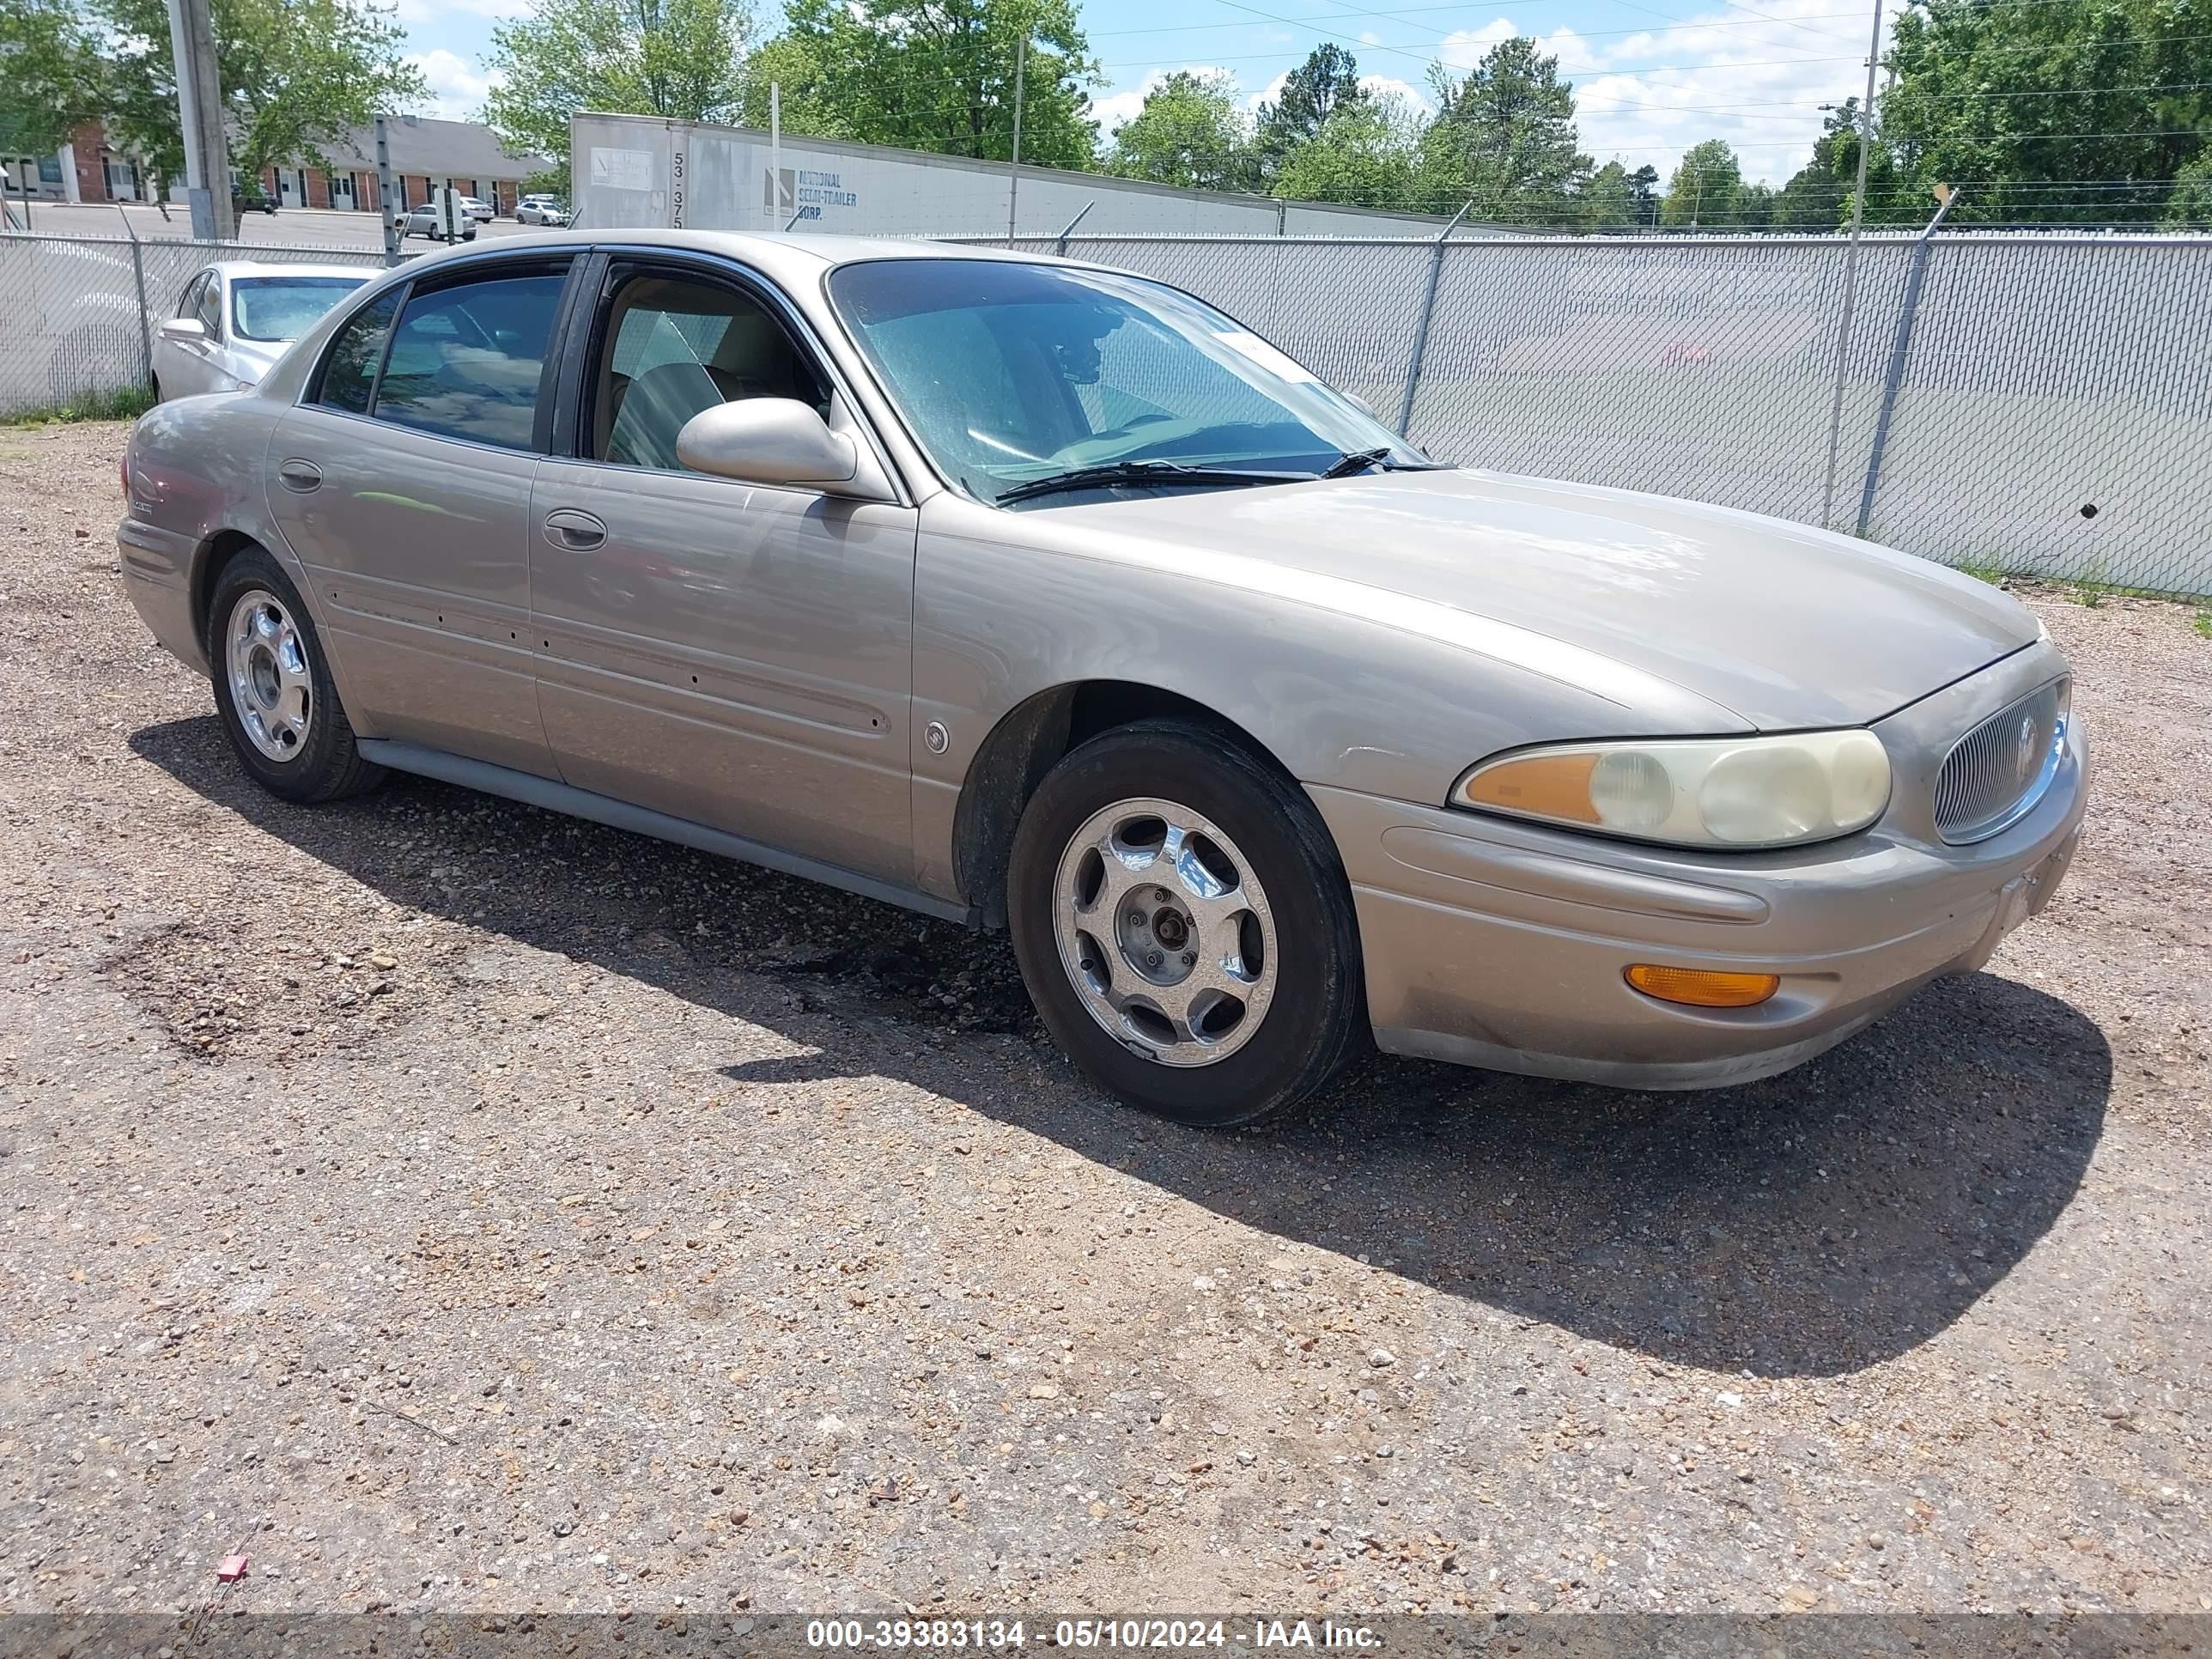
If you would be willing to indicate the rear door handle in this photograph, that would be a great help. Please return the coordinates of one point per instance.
(299, 476)
(577, 531)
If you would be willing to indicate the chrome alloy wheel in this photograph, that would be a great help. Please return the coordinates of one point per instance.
(265, 666)
(1164, 931)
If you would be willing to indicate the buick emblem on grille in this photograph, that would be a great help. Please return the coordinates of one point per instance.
(2024, 756)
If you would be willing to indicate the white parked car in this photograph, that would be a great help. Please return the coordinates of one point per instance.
(235, 318)
(478, 208)
(423, 221)
(541, 211)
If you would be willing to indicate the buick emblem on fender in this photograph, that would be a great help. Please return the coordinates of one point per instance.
(2024, 760)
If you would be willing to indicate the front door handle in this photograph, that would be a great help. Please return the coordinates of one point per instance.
(577, 531)
(299, 476)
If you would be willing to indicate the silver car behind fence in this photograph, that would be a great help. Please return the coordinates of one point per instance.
(235, 318)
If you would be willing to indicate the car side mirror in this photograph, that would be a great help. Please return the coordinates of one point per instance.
(768, 441)
(1359, 404)
(183, 329)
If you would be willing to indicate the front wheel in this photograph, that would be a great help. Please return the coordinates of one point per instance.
(1184, 926)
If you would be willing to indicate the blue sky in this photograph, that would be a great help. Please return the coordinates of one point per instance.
(1650, 81)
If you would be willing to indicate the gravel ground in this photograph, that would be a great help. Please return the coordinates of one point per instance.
(459, 1207)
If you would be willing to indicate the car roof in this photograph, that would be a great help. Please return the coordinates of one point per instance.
(787, 257)
(234, 269)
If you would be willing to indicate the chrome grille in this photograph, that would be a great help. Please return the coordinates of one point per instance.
(1997, 772)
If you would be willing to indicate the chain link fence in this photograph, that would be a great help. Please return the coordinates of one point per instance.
(80, 313)
(2029, 403)
(2034, 404)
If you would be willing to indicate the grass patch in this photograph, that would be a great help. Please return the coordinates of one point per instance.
(1981, 571)
(125, 403)
(2092, 589)
(2203, 620)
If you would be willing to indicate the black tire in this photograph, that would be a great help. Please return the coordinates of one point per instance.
(327, 764)
(1318, 1015)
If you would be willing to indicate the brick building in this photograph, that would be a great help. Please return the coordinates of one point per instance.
(425, 153)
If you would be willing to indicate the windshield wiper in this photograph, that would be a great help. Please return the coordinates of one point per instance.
(1142, 472)
(1359, 460)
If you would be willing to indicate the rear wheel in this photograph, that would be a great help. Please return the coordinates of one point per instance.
(1184, 926)
(273, 688)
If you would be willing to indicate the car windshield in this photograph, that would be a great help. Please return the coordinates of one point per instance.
(1011, 373)
(284, 307)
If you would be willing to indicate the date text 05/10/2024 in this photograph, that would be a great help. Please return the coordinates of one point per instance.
(955, 1634)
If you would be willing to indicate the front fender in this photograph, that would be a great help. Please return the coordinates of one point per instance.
(1346, 686)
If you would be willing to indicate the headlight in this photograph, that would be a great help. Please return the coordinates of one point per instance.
(1705, 792)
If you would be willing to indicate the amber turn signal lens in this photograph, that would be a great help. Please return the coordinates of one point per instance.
(1542, 786)
(1703, 988)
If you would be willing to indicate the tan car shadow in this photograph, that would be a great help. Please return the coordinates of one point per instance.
(1814, 1224)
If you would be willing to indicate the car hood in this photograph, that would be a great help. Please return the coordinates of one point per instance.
(1785, 626)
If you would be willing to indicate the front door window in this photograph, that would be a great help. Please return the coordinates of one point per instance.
(674, 346)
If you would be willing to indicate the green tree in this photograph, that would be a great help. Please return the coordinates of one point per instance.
(1812, 200)
(1367, 153)
(685, 59)
(2190, 206)
(1327, 81)
(296, 75)
(787, 73)
(938, 74)
(1703, 191)
(1643, 194)
(1753, 207)
(1505, 139)
(1607, 200)
(52, 79)
(2087, 111)
(1189, 133)
(1819, 195)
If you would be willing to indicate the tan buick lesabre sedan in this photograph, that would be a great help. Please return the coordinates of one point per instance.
(1047, 597)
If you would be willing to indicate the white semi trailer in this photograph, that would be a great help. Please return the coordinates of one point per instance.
(642, 170)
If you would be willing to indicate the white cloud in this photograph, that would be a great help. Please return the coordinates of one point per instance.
(1369, 38)
(1384, 86)
(456, 89)
(1116, 109)
(1463, 49)
(1756, 82)
(1268, 93)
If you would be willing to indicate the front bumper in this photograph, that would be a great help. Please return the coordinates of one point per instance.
(1502, 945)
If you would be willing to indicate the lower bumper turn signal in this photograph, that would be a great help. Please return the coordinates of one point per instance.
(1703, 988)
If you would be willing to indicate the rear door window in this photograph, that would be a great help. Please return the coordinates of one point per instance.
(468, 361)
(209, 307)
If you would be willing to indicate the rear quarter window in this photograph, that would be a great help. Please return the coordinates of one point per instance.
(349, 372)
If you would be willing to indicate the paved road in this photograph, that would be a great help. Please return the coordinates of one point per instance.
(293, 227)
